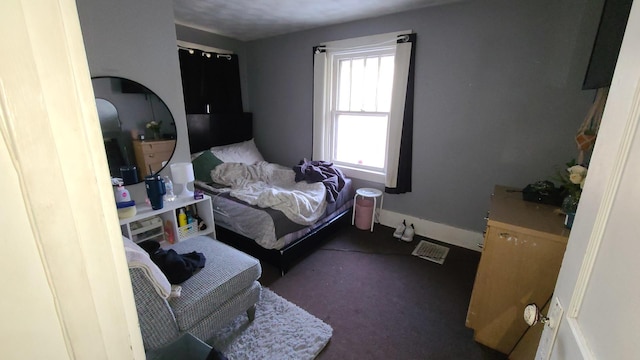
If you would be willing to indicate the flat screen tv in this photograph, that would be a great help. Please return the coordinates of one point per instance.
(606, 47)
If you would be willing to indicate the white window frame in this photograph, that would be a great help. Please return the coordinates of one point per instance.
(332, 112)
(325, 84)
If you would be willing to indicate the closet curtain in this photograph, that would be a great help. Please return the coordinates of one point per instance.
(210, 82)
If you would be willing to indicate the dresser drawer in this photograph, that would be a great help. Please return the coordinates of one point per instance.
(156, 156)
(157, 146)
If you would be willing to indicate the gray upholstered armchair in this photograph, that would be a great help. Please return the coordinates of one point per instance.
(225, 288)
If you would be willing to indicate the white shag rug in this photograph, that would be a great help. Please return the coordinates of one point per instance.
(280, 330)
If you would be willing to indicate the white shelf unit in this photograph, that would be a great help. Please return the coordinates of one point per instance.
(151, 228)
(169, 212)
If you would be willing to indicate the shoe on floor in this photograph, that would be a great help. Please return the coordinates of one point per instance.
(408, 234)
(400, 230)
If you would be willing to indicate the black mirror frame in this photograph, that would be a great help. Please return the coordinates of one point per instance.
(129, 86)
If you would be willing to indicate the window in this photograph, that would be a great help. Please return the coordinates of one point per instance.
(354, 125)
(359, 108)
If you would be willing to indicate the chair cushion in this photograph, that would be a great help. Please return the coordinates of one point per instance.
(227, 272)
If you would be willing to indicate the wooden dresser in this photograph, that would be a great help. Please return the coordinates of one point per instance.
(152, 154)
(523, 249)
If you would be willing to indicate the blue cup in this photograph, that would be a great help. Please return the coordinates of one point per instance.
(155, 190)
(129, 174)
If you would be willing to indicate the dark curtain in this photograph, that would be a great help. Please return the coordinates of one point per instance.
(403, 184)
(222, 84)
(191, 69)
(211, 84)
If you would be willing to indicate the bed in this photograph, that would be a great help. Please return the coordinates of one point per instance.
(266, 233)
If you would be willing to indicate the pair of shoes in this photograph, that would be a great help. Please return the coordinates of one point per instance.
(403, 232)
(400, 230)
(408, 234)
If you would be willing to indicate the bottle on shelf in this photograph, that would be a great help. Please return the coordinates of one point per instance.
(169, 196)
(201, 225)
(182, 218)
(168, 232)
(197, 219)
(190, 218)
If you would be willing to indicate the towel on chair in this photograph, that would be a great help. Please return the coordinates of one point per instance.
(139, 258)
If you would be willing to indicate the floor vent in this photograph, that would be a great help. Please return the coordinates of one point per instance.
(430, 251)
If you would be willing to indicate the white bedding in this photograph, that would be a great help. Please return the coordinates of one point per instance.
(271, 185)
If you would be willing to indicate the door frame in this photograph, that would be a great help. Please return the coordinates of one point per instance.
(56, 179)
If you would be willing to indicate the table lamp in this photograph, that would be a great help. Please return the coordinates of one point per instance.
(182, 174)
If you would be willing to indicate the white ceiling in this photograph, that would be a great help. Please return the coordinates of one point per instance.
(255, 19)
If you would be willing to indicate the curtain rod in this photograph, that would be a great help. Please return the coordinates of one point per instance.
(403, 38)
(204, 53)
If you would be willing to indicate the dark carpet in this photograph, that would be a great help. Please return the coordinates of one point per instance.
(382, 302)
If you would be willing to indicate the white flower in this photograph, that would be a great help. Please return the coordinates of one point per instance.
(154, 125)
(577, 174)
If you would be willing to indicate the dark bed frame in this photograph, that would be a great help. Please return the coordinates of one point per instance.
(208, 130)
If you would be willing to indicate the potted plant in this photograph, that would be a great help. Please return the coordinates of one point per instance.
(572, 181)
(154, 127)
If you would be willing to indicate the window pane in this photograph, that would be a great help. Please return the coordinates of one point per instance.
(385, 83)
(357, 84)
(370, 84)
(361, 140)
(344, 85)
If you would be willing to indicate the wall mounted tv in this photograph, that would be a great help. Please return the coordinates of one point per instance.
(606, 47)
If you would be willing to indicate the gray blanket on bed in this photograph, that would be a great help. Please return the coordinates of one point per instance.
(271, 185)
(321, 171)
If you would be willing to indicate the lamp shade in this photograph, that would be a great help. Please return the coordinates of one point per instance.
(182, 174)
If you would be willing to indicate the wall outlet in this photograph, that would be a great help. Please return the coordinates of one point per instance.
(550, 330)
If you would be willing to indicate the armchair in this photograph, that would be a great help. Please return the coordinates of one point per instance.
(225, 288)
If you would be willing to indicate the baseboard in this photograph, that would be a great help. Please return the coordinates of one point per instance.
(441, 232)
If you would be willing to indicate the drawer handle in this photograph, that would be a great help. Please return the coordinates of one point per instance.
(150, 155)
(480, 245)
(504, 235)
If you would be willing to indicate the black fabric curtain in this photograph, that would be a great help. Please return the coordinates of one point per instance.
(403, 184)
(211, 84)
(191, 69)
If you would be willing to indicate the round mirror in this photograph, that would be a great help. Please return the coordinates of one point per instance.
(138, 129)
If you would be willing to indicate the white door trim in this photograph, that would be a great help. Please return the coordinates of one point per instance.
(601, 221)
(58, 168)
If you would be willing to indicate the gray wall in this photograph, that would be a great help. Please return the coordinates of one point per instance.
(137, 40)
(498, 97)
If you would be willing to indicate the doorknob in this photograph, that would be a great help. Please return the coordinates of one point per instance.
(532, 315)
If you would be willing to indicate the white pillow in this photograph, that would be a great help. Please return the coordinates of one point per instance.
(244, 152)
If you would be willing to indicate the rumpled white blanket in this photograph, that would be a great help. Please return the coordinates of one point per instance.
(138, 258)
(271, 185)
